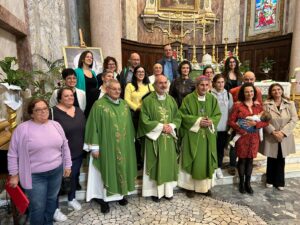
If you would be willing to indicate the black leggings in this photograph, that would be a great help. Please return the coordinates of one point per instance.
(245, 167)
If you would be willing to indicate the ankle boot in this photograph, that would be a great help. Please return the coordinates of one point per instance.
(248, 187)
(241, 185)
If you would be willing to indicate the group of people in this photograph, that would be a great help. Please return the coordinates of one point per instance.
(172, 127)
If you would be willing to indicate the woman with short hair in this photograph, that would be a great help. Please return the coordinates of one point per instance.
(38, 157)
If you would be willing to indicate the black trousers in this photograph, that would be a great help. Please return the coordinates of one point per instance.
(138, 152)
(275, 169)
(221, 143)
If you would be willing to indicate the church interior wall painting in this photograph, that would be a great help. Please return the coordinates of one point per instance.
(265, 17)
(178, 5)
(72, 54)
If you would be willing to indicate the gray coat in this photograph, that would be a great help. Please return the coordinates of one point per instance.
(283, 120)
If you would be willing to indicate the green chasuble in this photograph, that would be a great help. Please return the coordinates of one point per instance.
(161, 155)
(110, 127)
(199, 150)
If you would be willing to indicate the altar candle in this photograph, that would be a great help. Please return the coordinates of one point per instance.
(169, 23)
(204, 31)
(181, 24)
(195, 28)
(214, 31)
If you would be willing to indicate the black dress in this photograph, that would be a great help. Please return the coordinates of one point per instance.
(91, 92)
(180, 88)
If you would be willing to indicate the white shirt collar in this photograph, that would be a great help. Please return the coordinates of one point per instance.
(117, 102)
(201, 98)
(161, 97)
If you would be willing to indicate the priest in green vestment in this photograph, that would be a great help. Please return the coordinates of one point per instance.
(200, 116)
(159, 118)
(110, 137)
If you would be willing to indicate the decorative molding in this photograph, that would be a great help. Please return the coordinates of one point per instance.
(11, 23)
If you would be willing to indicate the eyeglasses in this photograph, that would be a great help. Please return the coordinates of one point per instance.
(41, 110)
(115, 89)
(232, 62)
(140, 71)
(111, 64)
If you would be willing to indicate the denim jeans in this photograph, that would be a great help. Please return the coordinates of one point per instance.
(43, 195)
(76, 164)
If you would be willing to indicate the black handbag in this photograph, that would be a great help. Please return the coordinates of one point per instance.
(65, 187)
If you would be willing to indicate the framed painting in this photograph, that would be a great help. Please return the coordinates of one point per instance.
(72, 54)
(265, 16)
(178, 5)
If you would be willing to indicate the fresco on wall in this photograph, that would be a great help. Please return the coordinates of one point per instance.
(265, 14)
(178, 5)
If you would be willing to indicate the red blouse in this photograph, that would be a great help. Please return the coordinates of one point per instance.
(248, 144)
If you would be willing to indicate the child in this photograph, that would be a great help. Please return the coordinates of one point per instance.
(263, 116)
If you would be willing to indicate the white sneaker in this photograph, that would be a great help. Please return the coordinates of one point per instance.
(280, 188)
(59, 216)
(219, 173)
(269, 185)
(74, 204)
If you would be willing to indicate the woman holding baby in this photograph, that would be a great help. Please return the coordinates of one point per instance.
(278, 135)
(247, 145)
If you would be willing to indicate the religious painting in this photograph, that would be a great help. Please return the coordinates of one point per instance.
(264, 16)
(72, 54)
(178, 5)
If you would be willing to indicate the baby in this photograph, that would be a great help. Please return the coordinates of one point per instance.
(263, 116)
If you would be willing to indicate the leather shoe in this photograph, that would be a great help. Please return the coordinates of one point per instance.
(155, 199)
(190, 194)
(123, 202)
(104, 207)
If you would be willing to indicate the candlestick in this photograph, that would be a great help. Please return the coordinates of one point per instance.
(181, 24)
(203, 38)
(214, 31)
(82, 43)
(194, 60)
(169, 23)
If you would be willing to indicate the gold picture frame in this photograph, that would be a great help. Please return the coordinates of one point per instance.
(178, 5)
(72, 54)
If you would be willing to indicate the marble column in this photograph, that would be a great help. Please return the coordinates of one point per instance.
(231, 20)
(73, 23)
(295, 53)
(106, 27)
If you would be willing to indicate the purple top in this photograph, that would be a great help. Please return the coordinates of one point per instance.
(36, 148)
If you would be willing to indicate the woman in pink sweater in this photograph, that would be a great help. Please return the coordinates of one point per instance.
(38, 157)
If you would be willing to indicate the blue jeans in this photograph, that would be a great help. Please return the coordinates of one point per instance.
(76, 164)
(42, 196)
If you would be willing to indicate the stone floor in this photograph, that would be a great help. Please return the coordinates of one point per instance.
(227, 206)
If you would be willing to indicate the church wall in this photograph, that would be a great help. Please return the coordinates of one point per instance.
(229, 13)
(16, 7)
(290, 15)
(48, 30)
(8, 44)
(157, 37)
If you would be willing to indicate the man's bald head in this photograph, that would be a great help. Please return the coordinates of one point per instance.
(161, 84)
(134, 59)
(249, 77)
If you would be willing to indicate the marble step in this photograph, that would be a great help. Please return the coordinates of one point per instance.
(292, 170)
